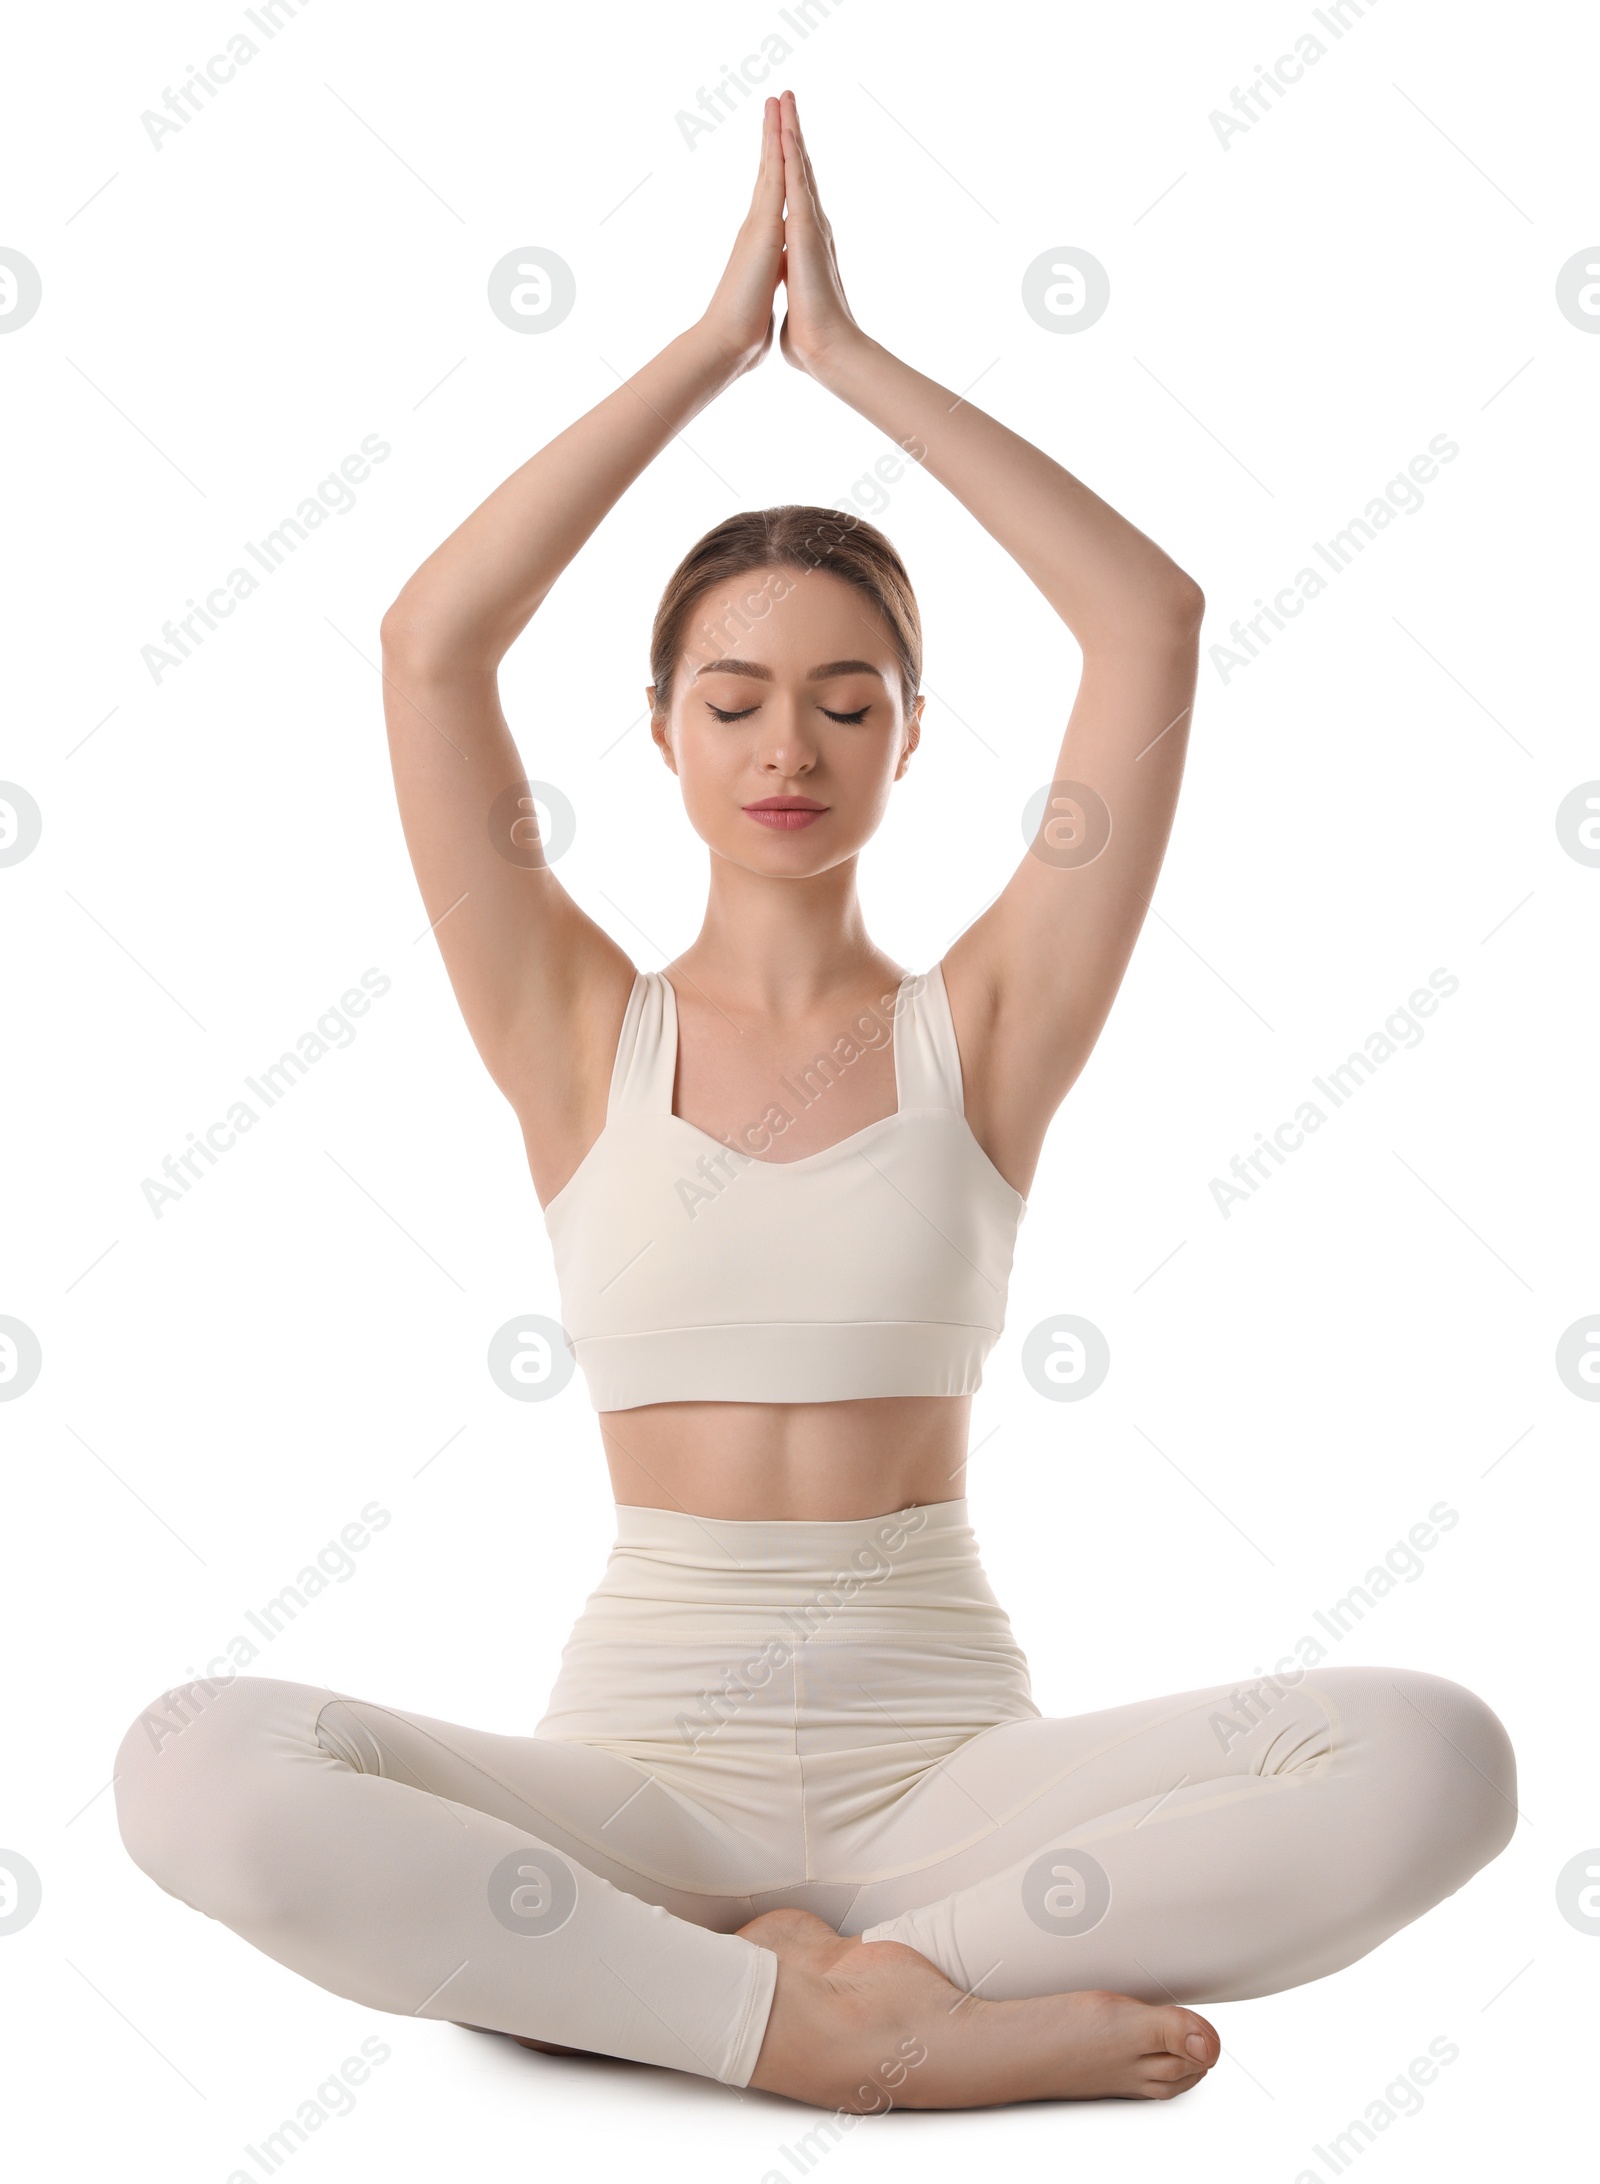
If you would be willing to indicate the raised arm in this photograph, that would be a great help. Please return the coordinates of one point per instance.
(541, 986)
(1032, 980)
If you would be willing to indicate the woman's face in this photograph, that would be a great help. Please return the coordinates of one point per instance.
(787, 738)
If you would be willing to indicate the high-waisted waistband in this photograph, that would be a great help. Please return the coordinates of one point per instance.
(916, 1566)
(730, 1640)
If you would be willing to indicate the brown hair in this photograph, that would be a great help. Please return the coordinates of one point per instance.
(790, 537)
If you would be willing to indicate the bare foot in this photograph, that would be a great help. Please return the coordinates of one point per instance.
(871, 2025)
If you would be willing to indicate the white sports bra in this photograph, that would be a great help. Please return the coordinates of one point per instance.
(693, 1272)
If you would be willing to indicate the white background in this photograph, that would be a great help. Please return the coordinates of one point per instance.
(1292, 319)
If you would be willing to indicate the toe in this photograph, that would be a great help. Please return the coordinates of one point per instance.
(1189, 2037)
(1166, 2089)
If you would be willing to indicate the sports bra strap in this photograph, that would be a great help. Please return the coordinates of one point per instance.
(927, 1059)
(646, 1066)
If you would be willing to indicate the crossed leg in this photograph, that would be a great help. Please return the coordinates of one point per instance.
(1204, 1847)
(1104, 1870)
(1076, 1880)
(437, 1871)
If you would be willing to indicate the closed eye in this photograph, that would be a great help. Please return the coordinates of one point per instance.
(851, 720)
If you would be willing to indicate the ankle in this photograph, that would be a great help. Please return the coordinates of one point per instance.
(834, 2038)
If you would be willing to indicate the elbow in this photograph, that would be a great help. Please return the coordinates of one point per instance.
(428, 642)
(414, 644)
(1165, 616)
(1165, 610)
(401, 631)
(1187, 604)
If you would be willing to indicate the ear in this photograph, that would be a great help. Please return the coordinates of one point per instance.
(660, 730)
(913, 736)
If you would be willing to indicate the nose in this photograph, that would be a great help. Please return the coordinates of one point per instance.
(786, 747)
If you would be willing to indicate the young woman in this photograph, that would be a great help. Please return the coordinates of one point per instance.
(792, 1819)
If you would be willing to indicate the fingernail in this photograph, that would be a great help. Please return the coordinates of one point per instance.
(1196, 2047)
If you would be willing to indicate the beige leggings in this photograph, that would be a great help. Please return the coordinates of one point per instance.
(834, 1716)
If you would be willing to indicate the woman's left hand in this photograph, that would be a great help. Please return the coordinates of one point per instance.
(817, 319)
(740, 314)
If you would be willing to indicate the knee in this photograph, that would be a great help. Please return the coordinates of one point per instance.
(187, 1787)
(1450, 1753)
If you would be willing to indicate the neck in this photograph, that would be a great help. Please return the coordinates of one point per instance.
(781, 947)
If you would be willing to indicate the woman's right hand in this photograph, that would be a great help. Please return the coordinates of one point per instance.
(739, 316)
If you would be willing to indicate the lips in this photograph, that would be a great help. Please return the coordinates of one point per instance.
(785, 814)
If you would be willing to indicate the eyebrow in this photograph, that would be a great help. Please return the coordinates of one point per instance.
(755, 672)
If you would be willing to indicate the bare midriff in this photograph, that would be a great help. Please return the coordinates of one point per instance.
(784, 1462)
